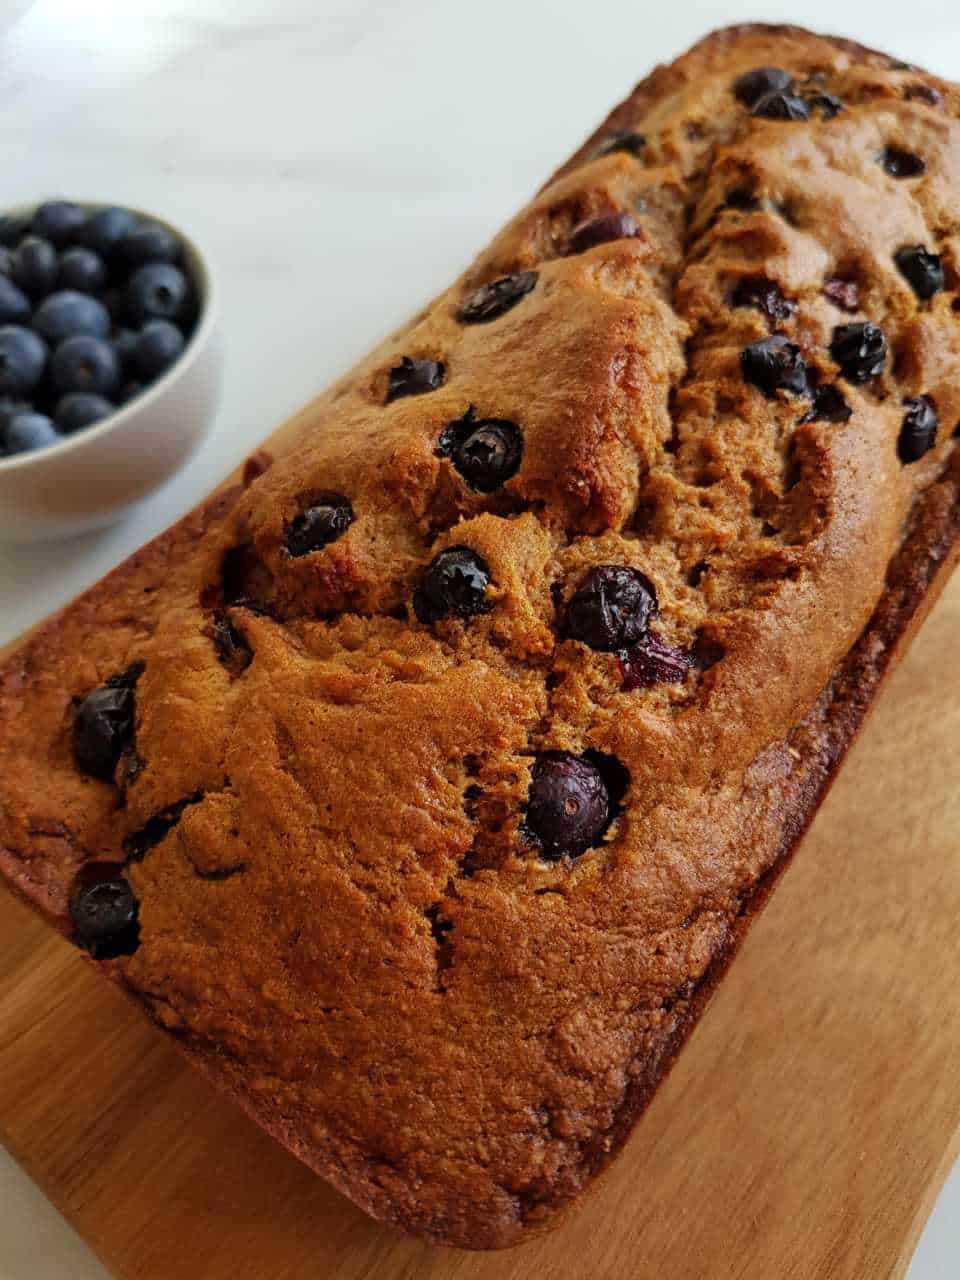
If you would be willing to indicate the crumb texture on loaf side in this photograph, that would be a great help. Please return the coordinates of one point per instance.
(323, 810)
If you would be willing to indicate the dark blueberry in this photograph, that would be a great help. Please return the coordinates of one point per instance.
(844, 294)
(414, 377)
(157, 291)
(486, 451)
(918, 434)
(620, 140)
(104, 911)
(922, 270)
(828, 406)
(82, 363)
(611, 608)
(14, 304)
(58, 221)
(9, 406)
(766, 296)
(614, 225)
(743, 199)
(148, 242)
(923, 93)
(326, 520)
(493, 299)
(104, 229)
(753, 85)
(568, 805)
(781, 106)
(27, 431)
(103, 724)
(6, 261)
(453, 584)
(81, 269)
(124, 343)
(22, 358)
(67, 312)
(12, 229)
(826, 103)
(860, 350)
(901, 164)
(653, 662)
(774, 364)
(158, 345)
(35, 266)
(79, 409)
(128, 391)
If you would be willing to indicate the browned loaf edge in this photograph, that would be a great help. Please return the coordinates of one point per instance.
(499, 1167)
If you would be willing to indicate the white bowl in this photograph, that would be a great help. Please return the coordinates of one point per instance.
(94, 476)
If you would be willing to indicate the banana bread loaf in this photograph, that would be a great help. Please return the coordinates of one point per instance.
(423, 784)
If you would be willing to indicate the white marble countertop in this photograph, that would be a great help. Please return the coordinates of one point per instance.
(341, 160)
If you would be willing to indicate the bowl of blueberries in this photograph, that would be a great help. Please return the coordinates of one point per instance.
(109, 363)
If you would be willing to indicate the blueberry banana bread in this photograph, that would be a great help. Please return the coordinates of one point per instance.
(423, 785)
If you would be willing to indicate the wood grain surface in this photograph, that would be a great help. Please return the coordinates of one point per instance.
(804, 1132)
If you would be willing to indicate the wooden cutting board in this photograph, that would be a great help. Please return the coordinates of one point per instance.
(804, 1133)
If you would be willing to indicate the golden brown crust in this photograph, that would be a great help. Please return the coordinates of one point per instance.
(344, 924)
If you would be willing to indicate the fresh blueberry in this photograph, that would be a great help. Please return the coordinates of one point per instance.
(124, 343)
(148, 242)
(22, 359)
(568, 805)
(83, 363)
(35, 266)
(922, 270)
(902, 164)
(766, 296)
(79, 409)
(611, 608)
(486, 451)
(453, 584)
(58, 221)
(774, 364)
(828, 406)
(753, 85)
(614, 225)
(81, 269)
(860, 350)
(104, 229)
(9, 406)
(493, 299)
(6, 261)
(158, 345)
(104, 911)
(26, 431)
(157, 291)
(414, 377)
(781, 106)
(128, 391)
(14, 304)
(103, 724)
(322, 523)
(918, 433)
(67, 312)
(12, 229)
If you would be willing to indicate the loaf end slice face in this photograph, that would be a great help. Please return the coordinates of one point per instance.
(423, 788)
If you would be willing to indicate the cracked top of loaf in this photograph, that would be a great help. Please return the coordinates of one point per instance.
(436, 766)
